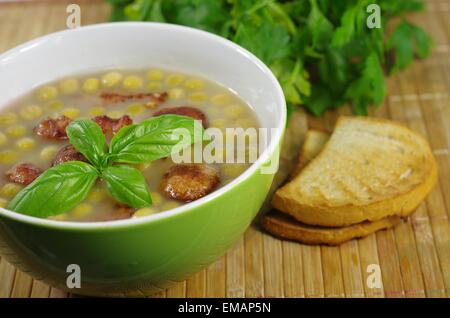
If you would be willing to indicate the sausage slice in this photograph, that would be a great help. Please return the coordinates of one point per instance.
(23, 173)
(110, 126)
(54, 129)
(189, 182)
(184, 111)
(121, 212)
(67, 153)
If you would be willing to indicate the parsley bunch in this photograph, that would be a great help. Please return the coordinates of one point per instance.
(322, 51)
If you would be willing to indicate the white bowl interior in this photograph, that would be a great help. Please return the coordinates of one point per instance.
(138, 45)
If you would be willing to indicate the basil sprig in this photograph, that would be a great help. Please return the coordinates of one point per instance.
(62, 187)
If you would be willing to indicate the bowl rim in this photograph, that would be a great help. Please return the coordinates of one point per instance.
(265, 156)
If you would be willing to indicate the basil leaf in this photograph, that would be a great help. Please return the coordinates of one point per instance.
(87, 137)
(127, 185)
(56, 191)
(154, 138)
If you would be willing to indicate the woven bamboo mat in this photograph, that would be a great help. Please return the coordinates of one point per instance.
(414, 257)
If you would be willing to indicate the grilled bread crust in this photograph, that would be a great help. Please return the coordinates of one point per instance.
(368, 170)
(285, 227)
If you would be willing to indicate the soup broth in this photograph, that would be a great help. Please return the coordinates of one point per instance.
(114, 94)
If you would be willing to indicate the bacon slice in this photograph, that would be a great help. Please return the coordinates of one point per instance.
(23, 173)
(114, 98)
(111, 126)
(184, 111)
(53, 129)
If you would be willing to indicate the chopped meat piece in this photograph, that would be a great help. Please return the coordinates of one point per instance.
(53, 128)
(121, 212)
(111, 126)
(23, 173)
(113, 98)
(189, 182)
(67, 153)
(184, 111)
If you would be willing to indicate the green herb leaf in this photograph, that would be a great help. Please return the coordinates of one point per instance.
(154, 138)
(293, 79)
(330, 41)
(118, 12)
(145, 10)
(334, 70)
(369, 88)
(263, 39)
(87, 137)
(406, 40)
(56, 191)
(399, 6)
(320, 100)
(205, 15)
(346, 31)
(127, 185)
(155, 12)
(321, 29)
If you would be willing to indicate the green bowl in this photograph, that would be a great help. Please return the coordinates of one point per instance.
(140, 256)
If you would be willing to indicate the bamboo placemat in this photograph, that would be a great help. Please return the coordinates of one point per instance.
(414, 257)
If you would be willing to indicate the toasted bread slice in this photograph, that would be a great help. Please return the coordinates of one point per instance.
(286, 227)
(315, 140)
(368, 170)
